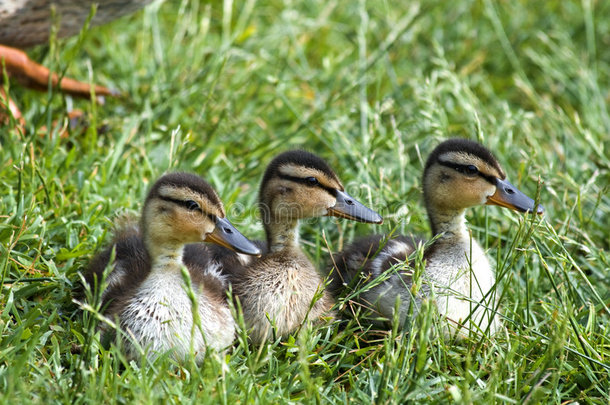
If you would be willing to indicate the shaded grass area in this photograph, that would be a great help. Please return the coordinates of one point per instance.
(372, 87)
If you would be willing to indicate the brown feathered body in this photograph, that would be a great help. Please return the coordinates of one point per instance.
(25, 23)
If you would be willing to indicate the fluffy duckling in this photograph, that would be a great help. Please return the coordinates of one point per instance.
(278, 289)
(458, 174)
(146, 289)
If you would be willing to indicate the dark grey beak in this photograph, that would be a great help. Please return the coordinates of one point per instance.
(349, 208)
(226, 235)
(509, 196)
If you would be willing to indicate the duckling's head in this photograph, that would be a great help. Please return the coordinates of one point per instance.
(460, 173)
(298, 184)
(183, 208)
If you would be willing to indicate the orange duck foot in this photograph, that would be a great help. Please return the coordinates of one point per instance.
(31, 74)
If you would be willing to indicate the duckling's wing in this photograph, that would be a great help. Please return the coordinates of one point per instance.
(369, 257)
(131, 266)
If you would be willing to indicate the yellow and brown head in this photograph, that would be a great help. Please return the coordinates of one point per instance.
(298, 184)
(460, 173)
(183, 208)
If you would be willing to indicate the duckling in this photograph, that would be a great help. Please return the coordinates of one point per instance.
(278, 289)
(458, 174)
(146, 290)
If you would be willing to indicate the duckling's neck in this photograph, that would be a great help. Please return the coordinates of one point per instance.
(449, 224)
(282, 234)
(165, 256)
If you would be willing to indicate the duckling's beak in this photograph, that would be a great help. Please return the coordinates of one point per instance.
(226, 235)
(509, 196)
(347, 207)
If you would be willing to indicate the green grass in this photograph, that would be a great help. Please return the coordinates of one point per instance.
(372, 87)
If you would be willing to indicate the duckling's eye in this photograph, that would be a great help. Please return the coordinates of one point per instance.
(312, 181)
(471, 170)
(191, 205)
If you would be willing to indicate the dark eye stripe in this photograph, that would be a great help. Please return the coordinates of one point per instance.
(308, 182)
(185, 204)
(466, 169)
